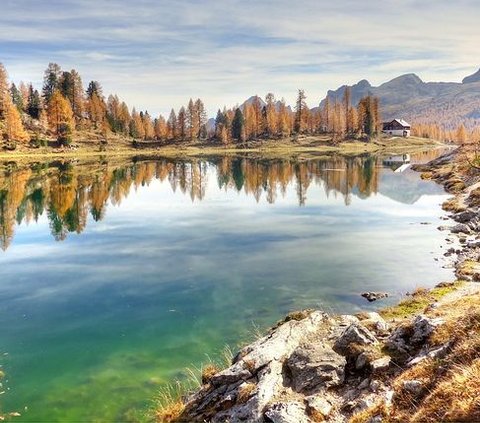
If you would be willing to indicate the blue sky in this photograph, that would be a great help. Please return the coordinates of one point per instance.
(156, 54)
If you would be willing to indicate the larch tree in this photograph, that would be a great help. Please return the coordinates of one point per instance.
(97, 111)
(172, 125)
(60, 115)
(148, 127)
(300, 112)
(271, 115)
(160, 128)
(4, 89)
(201, 116)
(14, 130)
(191, 121)
(182, 124)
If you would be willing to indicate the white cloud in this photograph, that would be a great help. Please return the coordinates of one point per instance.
(157, 54)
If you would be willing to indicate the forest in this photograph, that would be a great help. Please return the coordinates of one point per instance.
(64, 106)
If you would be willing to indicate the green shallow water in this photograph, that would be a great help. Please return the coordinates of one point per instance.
(114, 278)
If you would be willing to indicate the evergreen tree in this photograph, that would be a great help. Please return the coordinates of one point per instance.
(16, 97)
(51, 81)
(34, 103)
(94, 87)
(238, 126)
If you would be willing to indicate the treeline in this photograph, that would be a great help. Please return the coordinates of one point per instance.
(460, 135)
(64, 105)
(274, 119)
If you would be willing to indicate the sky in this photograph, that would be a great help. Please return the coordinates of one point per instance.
(156, 54)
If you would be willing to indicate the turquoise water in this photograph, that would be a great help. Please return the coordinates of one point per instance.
(114, 278)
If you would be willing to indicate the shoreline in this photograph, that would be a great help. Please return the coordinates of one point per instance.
(370, 367)
(309, 146)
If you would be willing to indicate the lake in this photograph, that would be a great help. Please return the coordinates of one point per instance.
(115, 276)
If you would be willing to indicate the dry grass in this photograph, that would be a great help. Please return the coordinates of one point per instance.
(450, 385)
(170, 401)
(245, 391)
(454, 205)
(379, 409)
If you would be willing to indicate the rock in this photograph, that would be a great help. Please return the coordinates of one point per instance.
(375, 385)
(465, 216)
(406, 338)
(364, 384)
(374, 296)
(318, 407)
(374, 321)
(414, 387)
(380, 364)
(261, 363)
(287, 412)
(423, 326)
(361, 361)
(314, 366)
(354, 335)
(461, 228)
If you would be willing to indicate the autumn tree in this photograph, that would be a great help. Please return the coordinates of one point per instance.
(461, 134)
(300, 112)
(182, 124)
(60, 116)
(270, 115)
(137, 128)
(172, 125)
(71, 87)
(13, 127)
(148, 126)
(191, 121)
(4, 91)
(201, 116)
(160, 128)
(369, 116)
(97, 111)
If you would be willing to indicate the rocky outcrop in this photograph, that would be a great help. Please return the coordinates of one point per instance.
(311, 367)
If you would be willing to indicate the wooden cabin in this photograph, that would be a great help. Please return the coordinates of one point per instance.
(397, 128)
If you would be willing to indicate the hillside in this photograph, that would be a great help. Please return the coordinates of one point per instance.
(407, 96)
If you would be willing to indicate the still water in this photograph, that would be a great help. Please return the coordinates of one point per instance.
(115, 277)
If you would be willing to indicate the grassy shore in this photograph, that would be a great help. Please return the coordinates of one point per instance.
(310, 146)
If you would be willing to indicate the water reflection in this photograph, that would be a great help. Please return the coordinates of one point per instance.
(68, 192)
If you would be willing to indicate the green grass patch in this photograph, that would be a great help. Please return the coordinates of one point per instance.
(418, 301)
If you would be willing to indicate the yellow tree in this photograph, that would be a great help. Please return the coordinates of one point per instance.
(14, 130)
(59, 113)
(461, 134)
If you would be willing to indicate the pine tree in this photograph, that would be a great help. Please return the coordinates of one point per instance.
(16, 97)
(34, 103)
(51, 81)
(94, 87)
(238, 126)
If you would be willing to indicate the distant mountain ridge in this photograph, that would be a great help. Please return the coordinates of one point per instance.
(410, 98)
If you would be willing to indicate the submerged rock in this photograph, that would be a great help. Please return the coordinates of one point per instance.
(374, 296)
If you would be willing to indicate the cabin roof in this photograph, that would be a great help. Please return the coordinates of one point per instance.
(401, 122)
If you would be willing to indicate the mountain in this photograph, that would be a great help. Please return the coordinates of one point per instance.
(472, 78)
(410, 98)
